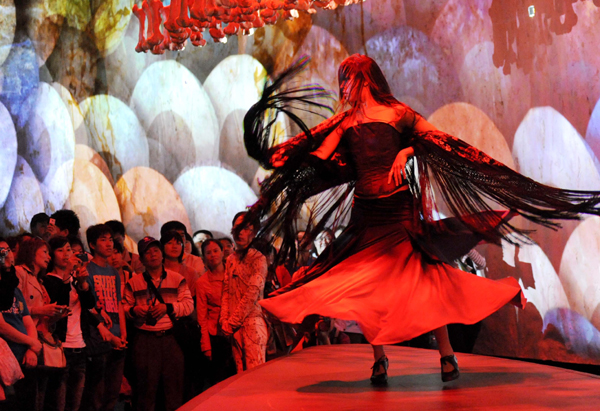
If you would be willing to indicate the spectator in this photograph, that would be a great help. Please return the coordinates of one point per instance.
(67, 223)
(107, 341)
(39, 226)
(243, 287)
(200, 236)
(189, 260)
(76, 245)
(131, 259)
(116, 262)
(154, 300)
(32, 261)
(172, 244)
(67, 284)
(190, 247)
(228, 249)
(209, 289)
(18, 329)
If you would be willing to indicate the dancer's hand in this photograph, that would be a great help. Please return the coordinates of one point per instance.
(398, 172)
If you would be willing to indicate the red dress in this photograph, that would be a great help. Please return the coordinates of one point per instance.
(384, 271)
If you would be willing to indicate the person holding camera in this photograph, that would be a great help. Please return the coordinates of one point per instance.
(67, 284)
(154, 300)
(107, 342)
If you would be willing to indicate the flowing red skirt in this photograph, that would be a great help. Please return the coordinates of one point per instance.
(380, 275)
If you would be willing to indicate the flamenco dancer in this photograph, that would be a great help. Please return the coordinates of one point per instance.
(390, 269)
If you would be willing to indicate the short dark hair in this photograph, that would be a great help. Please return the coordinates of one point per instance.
(57, 242)
(229, 240)
(205, 244)
(75, 240)
(116, 226)
(67, 220)
(37, 219)
(172, 225)
(118, 247)
(168, 236)
(54, 244)
(94, 232)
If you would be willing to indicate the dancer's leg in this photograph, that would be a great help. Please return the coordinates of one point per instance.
(441, 335)
(378, 353)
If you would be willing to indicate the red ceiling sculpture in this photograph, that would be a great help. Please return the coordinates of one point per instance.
(169, 27)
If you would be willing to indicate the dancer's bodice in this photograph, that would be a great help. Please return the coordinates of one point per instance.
(374, 147)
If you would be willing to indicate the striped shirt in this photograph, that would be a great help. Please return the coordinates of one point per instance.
(173, 289)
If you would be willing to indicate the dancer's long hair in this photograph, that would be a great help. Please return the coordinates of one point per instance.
(357, 71)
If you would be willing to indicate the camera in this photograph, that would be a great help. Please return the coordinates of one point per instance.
(151, 321)
(83, 257)
(3, 255)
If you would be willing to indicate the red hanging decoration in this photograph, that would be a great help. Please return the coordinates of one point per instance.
(169, 27)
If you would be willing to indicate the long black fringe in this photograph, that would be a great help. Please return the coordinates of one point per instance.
(467, 179)
(301, 175)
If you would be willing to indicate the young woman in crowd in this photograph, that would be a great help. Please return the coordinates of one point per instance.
(173, 246)
(243, 288)
(31, 264)
(67, 284)
(209, 290)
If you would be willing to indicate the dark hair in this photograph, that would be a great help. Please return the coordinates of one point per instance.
(208, 233)
(253, 221)
(12, 241)
(94, 232)
(37, 219)
(363, 70)
(172, 225)
(75, 240)
(168, 236)
(205, 244)
(118, 247)
(67, 220)
(195, 250)
(55, 243)
(116, 226)
(229, 240)
(27, 250)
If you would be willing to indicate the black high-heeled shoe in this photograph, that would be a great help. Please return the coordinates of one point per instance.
(380, 379)
(450, 375)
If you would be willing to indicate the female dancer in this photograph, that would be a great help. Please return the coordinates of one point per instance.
(389, 270)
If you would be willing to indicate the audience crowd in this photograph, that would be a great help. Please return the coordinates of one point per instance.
(103, 327)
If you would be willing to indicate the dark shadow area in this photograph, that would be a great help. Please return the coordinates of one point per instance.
(424, 383)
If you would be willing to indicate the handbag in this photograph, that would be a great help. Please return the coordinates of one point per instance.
(52, 354)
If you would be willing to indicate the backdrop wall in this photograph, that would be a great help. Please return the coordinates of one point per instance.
(87, 123)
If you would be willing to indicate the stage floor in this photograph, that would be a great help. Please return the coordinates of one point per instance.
(336, 377)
